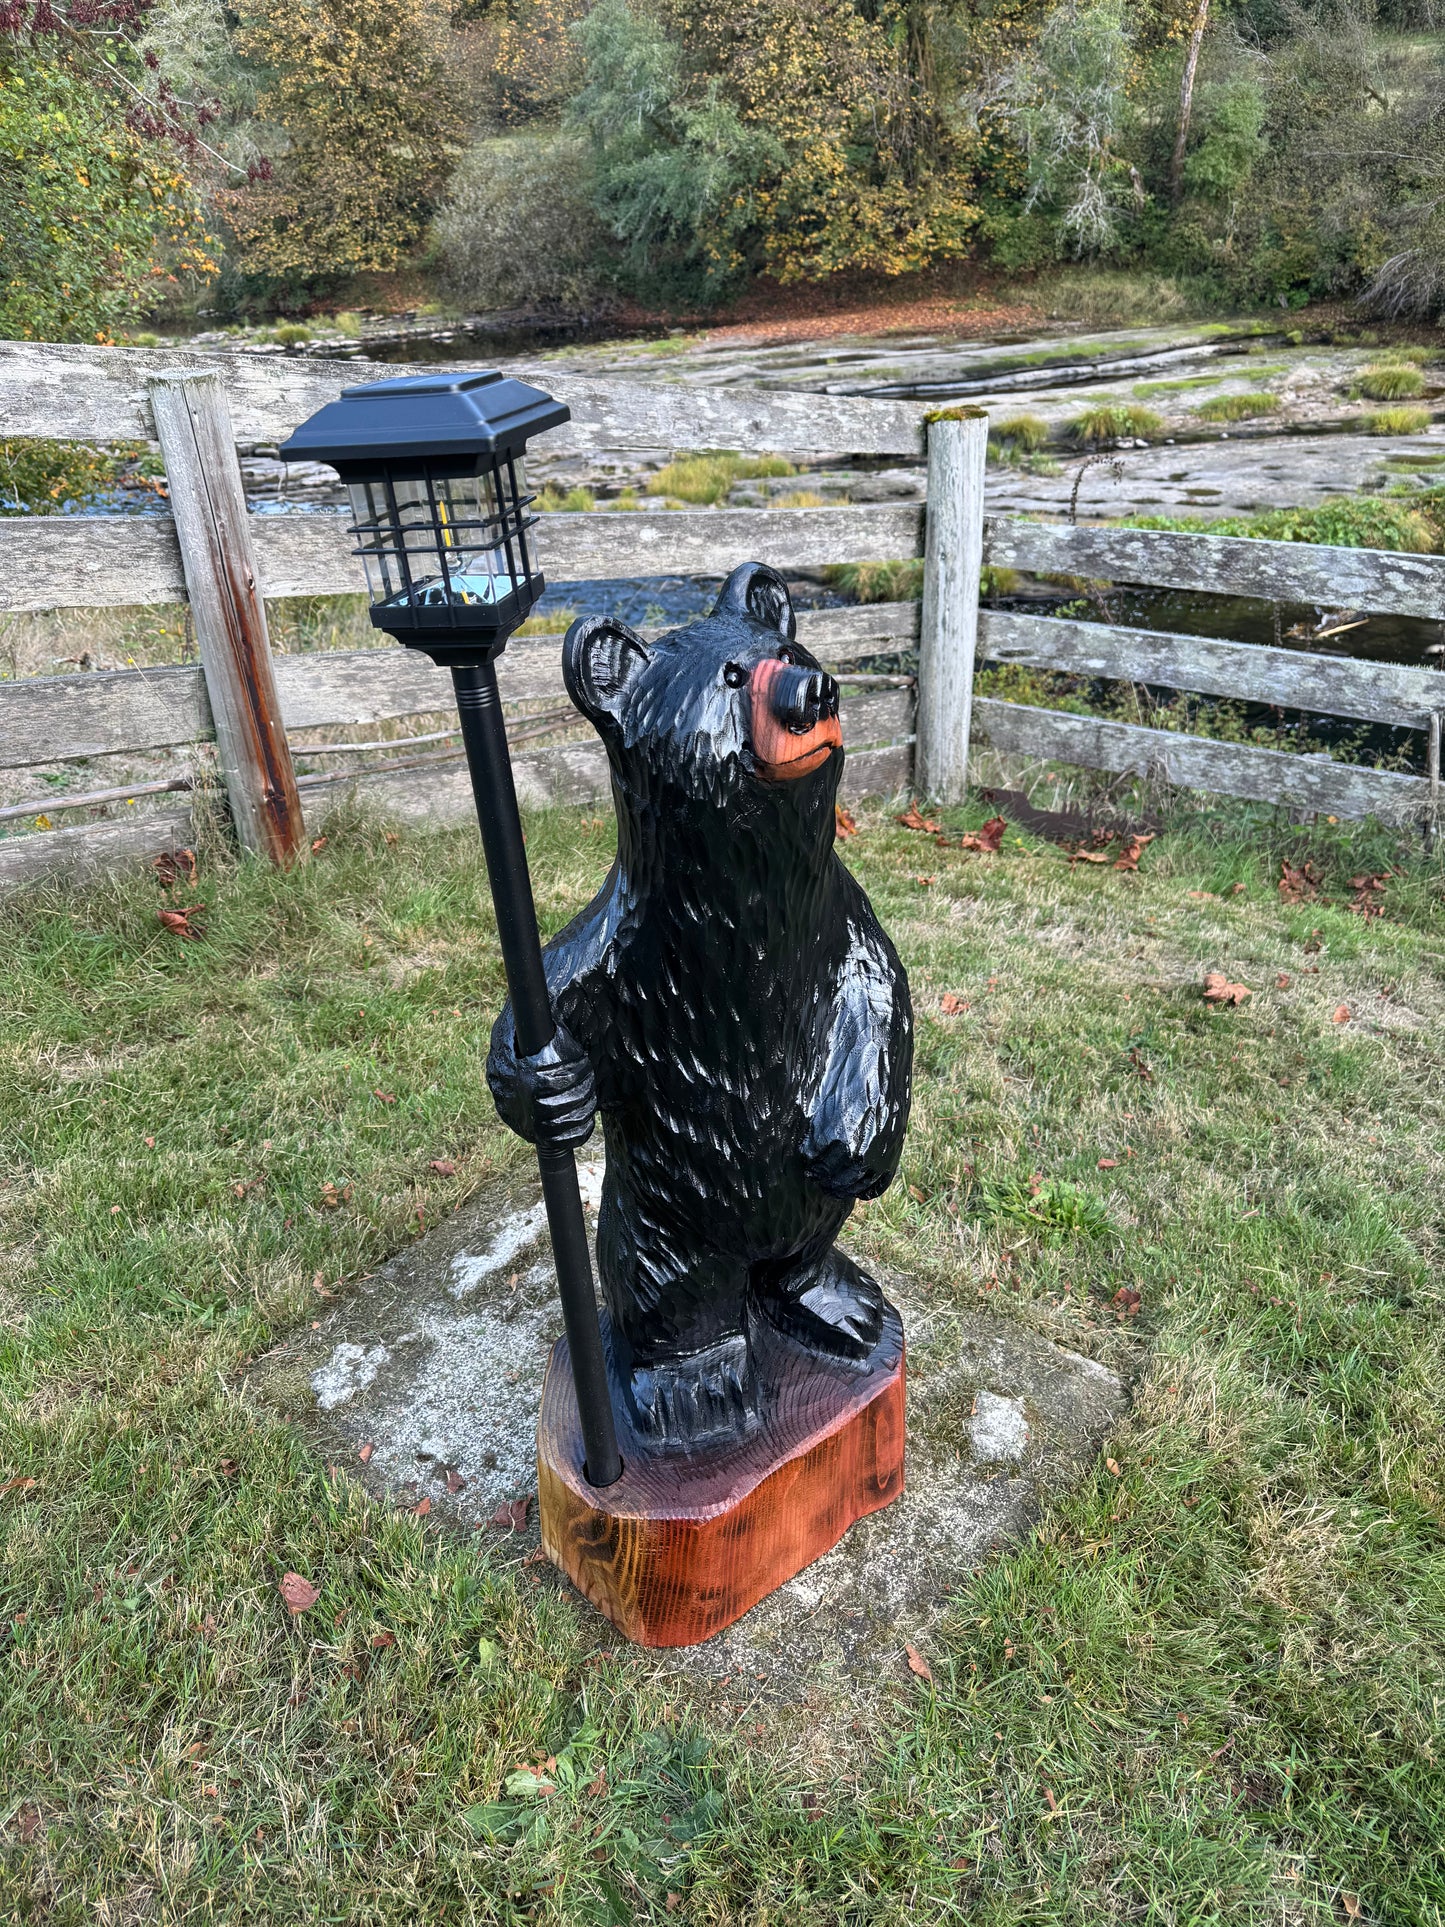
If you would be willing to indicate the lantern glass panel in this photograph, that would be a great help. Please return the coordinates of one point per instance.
(439, 544)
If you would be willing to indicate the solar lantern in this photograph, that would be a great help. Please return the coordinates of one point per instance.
(433, 466)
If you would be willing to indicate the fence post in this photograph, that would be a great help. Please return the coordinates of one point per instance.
(952, 559)
(208, 501)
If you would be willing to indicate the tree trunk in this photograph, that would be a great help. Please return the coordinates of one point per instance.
(1186, 99)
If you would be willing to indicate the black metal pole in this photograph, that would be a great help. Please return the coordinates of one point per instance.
(484, 734)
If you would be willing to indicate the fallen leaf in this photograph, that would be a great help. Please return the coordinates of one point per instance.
(1281, 982)
(382, 1640)
(1128, 858)
(387, 1097)
(298, 1594)
(844, 821)
(331, 1197)
(179, 923)
(1112, 1466)
(1089, 856)
(317, 843)
(1108, 1164)
(1340, 1014)
(986, 840)
(919, 1197)
(1126, 1301)
(1298, 885)
(1351, 1905)
(511, 1516)
(365, 1453)
(926, 881)
(1049, 1796)
(227, 1468)
(598, 1786)
(421, 1508)
(443, 1167)
(17, 1485)
(918, 1664)
(455, 1481)
(953, 1004)
(911, 820)
(29, 1822)
(672, 1902)
(1219, 990)
(390, 836)
(173, 864)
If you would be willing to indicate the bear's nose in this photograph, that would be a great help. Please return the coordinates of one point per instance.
(802, 698)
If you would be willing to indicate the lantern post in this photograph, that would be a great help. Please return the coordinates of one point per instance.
(433, 465)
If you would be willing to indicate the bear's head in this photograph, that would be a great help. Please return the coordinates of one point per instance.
(729, 713)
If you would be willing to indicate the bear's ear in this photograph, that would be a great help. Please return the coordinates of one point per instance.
(600, 657)
(760, 594)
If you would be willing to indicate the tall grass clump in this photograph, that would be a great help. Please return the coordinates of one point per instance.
(1236, 408)
(1391, 381)
(1397, 421)
(1108, 421)
(704, 480)
(1017, 435)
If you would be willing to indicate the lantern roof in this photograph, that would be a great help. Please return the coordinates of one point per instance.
(425, 417)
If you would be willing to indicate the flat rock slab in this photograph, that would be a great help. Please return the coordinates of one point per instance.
(436, 1362)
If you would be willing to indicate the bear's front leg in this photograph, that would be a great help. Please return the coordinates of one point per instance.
(857, 1109)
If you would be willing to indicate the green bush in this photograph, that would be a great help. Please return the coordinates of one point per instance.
(518, 225)
(43, 478)
(1392, 381)
(1107, 422)
(1236, 408)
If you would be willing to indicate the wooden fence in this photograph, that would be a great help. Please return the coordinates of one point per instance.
(225, 562)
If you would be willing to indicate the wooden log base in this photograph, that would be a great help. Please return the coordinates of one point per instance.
(684, 1544)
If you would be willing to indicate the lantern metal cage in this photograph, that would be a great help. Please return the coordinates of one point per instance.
(447, 552)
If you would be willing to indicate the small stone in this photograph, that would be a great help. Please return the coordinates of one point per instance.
(999, 1431)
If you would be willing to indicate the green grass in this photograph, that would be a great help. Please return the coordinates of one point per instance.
(1236, 408)
(1390, 382)
(1398, 421)
(1147, 390)
(1414, 522)
(704, 480)
(1018, 435)
(1108, 421)
(1205, 1688)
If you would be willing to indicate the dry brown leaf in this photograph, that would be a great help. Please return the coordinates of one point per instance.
(1108, 1164)
(318, 843)
(1128, 859)
(444, 1167)
(179, 922)
(365, 1453)
(297, 1594)
(1298, 885)
(1219, 990)
(331, 1197)
(511, 1517)
(844, 822)
(17, 1485)
(926, 881)
(1351, 1905)
(387, 1097)
(1089, 856)
(421, 1508)
(952, 1003)
(918, 1664)
(912, 820)
(987, 840)
(455, 1481)
(380, 1641)
(1281, 982)
(598, 1787)
(1112, 1466)
(1340, 1014)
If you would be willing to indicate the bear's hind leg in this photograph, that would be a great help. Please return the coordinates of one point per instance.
(678, 1317)
(823, 1300)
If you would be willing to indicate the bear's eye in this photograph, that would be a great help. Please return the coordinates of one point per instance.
(734, 675)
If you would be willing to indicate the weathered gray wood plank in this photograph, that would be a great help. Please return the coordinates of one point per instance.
(91, 846)
(77, 393)
(877, 772)
(1380, 581)
(46, 719)
(1381, 692)
(103, 561)
(1192, 762)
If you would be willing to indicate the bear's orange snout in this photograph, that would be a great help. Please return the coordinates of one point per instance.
(795, 726)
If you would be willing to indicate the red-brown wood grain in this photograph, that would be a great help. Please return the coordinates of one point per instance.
(682, 1545)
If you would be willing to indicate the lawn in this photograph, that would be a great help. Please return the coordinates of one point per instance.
(1206, 1688)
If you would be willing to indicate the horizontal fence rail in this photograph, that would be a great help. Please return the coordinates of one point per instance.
(72, 393)
(100, 394)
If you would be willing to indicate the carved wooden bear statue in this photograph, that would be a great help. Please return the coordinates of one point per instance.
(731, 1004)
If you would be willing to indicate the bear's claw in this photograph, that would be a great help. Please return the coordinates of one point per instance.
(703, 1398)
(832, 1306)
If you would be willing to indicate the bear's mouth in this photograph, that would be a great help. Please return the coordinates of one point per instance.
(795, 726)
